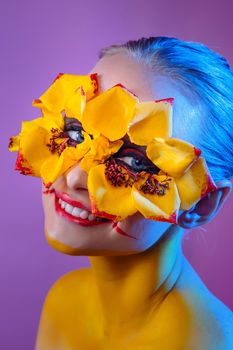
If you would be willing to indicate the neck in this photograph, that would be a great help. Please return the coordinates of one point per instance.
(130, 287)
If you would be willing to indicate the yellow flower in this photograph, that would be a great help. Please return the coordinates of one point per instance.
(160, 176)
(44, 150)
(117, 193)
(151, 119)
(180, 178)
(100, 150)
(44, 147)
(110, 113)
(68, 93)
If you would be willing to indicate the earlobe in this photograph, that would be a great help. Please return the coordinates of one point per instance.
(207, 208)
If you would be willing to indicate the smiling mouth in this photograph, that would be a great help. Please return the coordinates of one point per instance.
(77, 213)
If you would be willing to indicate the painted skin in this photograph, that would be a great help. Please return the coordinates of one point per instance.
(140, 293)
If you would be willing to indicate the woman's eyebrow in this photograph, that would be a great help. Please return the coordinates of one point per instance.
(129, 144)
(71, 121)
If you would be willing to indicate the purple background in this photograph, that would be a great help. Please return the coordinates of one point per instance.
(39, 40)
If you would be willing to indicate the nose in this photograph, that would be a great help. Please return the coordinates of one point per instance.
(76, 178)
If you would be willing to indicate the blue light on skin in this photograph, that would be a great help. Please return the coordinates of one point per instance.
(157, 251)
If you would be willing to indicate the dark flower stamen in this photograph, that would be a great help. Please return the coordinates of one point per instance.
(153, 186)
(53, 145)
(10, 142)
(119, 175)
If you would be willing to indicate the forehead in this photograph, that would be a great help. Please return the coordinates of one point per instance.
(148, 85)
(137, 77)
(120, 68)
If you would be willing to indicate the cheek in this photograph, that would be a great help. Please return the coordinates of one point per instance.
(154, 230)
(147, 232)
(47, 194)
(48, 207)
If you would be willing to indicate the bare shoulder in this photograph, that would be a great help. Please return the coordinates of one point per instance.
(70, 286)
(212, 319)
(75, 278)
(222, 314)
(64, 306)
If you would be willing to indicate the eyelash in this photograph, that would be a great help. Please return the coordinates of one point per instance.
(120, 157)
(130, 153)
(73, 128)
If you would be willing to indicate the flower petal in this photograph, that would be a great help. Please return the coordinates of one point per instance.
(101, 149)
(171, 155)
(13, 145)
(110, 113)
(64, 86)
(152, 119)
(158, 207)
(75, 104)
(33, 140)
(23, 166)
(107, 200)
(33, 143)
(54, 167)
(55, 122)
(195, 184)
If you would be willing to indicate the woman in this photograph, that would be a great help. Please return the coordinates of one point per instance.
(140, 292)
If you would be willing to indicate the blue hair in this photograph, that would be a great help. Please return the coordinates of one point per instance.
(209, 76)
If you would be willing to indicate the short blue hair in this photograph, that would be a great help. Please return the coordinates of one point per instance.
(205, 72)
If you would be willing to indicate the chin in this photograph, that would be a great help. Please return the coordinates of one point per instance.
(89, 249)
(85, 251)
(61, 247)
(69, 235)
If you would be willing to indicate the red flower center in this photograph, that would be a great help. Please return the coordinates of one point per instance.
(122, 176)
(53, 145)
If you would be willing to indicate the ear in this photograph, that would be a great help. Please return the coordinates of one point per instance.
(206, 209)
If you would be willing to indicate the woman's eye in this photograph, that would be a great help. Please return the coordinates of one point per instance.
(133, 163)
(73, 130)
(75, 135)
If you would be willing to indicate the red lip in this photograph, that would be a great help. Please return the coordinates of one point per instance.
(66, 198)
(70, 217)
(83, 222)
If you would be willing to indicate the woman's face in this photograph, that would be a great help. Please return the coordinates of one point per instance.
(69, 225)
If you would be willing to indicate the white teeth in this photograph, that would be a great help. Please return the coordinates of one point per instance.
(84, 214)
(76, 211)
(69, 208)
(91, 217)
